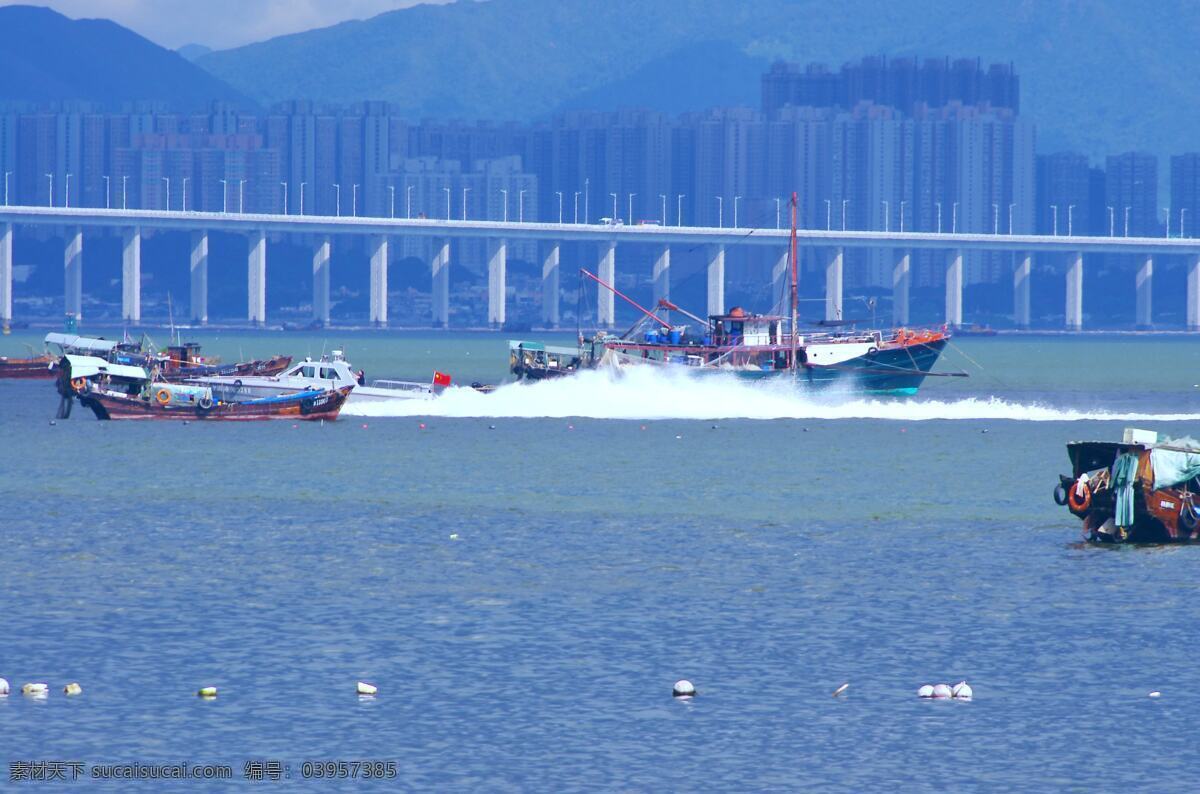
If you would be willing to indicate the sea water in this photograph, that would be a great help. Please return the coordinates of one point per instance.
(525, 574)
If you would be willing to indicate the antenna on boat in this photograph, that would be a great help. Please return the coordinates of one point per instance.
(795, 288)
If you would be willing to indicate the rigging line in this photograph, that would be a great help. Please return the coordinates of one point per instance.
(988, 374)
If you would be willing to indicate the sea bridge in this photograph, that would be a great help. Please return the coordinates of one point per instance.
(321, 229)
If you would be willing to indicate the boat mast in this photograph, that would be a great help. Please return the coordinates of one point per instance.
(795, 287)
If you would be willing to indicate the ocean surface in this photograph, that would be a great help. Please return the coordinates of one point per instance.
(525, 574)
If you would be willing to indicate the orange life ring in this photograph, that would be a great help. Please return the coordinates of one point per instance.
(163, 396)
(79, 384)
(1077, 503)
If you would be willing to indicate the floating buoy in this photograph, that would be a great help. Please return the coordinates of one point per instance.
(942, 691)
(643, 427)
(453, 536)
(72, 689)
(491, 427)
(3, 687)
(925, 691)
(53, 423)
(962, 691)
(364, 426)
(714, 427)
(841, 689)
(207, 692)
(295, 426)
(984, 430)
(678, 437)
(1156, 694)
(35, 690)
(366, 689)
(683, 689)
(185, 421)
(421, 426)
(570, 427)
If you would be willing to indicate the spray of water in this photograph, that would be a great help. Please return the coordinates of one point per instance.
(646, 393)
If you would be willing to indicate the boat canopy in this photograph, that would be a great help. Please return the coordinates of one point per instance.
(90, 366)
(1175, 462)
(83, 344)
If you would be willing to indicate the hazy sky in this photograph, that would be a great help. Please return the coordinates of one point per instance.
(220, 23)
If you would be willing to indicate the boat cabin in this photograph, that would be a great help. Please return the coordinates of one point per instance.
(737, 327)
(338, 371)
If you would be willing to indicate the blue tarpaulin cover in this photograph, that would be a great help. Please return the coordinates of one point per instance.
(1177, 464)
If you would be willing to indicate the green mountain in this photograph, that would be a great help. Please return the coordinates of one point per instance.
(1097, 75)
(45, 56)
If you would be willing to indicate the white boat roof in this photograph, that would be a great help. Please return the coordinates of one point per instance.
(90, 366)
(75, 342)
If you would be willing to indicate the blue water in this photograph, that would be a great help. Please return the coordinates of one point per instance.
(525, 596)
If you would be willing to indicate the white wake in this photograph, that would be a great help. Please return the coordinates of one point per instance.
(644, 393)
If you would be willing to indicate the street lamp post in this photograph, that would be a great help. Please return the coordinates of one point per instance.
(679, 197)
(576, 207)
(631, 195)
(391, 201)
(185, 181)
(1181, 226)
(902, 203)
(720, 211)
(520, 206)
(995, 218)
(241, 196)
(828, 215)
(844, 203)
(107, 192)
(285, 198)
(337, 199)
(302, 185)
(663, 197)
(1112, 222)
(67, 199)
(939, 216)
(736, 199)
(560, 206)
(51, 176)
(1167, 212)
(1127, 221)
(224, 195)
(408, 201)
(777, 205)
(1054, 207)
(887, 216)
(614, 198)
(447, 202)
(954, 219)
(505, 193)
(1070, 220)
(354, 202)
(587, 192)
(167, 202)
(124, 183)
(465, 202)
(1011, 207)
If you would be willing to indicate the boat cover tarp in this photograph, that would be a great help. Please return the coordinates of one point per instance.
(283, 398)
(83, 344)
(1124, 471)
(1176, 464)
(90, 366)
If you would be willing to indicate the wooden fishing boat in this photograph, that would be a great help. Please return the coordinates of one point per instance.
(1138, 490)
(118, 391)
(33, 368)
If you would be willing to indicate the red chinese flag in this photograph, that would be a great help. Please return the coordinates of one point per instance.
(441, 379)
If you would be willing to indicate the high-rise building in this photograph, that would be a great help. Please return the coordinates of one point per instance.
(1131, 189)
(1185, 194)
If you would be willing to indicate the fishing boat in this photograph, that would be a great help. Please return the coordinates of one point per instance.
(31, 368)
(327, 373)
(119, 391)
(1142, 489)
(752, 346)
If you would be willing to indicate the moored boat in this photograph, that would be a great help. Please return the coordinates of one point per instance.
(1140, 490)
(117, 391)
(31, 368)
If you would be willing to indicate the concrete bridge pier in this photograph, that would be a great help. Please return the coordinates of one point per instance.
(256, 268)
(605, 300)
(901, 283)
(73, 273)
(781, 282)
(1022, 270)
(320, 274)
(131, 274)
(954, 288)
(662, 274)
(1193, 292)
(199, 277)
(379, 281)
(550, 277)
(1074, 309)
(1145, 291)
(6, 271)
(833, 284)
(497, 281)
(440, 266)
(716, 279)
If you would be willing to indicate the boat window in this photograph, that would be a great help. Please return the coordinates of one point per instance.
(309, 372)
(329, 373)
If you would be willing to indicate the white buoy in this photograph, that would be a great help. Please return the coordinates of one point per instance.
(72, 689)
(942, 691)
(1154, 694)
(925, 691)
(683, 689)
(3, 687)
(841, 689)
(35, 690)
(962, 691)
(207, 692)
(367, 689)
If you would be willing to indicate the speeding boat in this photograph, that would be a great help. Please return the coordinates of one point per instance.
(327, 373)
(1142, 489)
(754, 346)
(121, 391)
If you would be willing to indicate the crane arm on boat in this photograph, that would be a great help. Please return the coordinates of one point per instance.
(625, 298)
